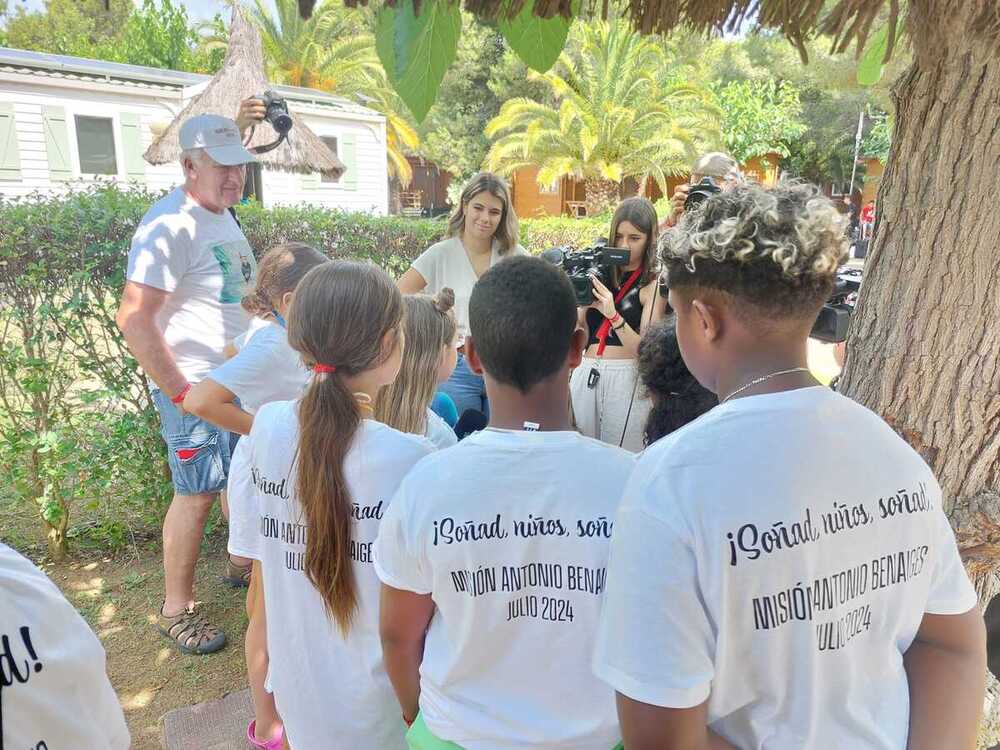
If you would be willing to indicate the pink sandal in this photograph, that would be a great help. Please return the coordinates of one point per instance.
(275, 743)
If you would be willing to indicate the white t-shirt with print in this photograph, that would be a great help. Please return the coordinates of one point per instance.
(203, 260)
(332, 691)
(265, 369)
(509, 534)
(54, 691)
(446, 264)
(776, 556)
(438, 431)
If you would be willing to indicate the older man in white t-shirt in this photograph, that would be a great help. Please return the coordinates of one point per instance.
(188, 269)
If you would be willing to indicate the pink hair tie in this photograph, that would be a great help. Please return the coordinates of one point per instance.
(324, 368)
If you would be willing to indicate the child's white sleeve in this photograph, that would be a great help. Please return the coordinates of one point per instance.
(243, 509)
(399, 558)
(951, 592)
(654, 642)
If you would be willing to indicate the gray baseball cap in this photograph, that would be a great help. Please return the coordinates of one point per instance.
(220, 138)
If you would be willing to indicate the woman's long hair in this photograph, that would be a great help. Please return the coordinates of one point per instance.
(487, 182)
(429, 326)
(280, 270)
(640, 213)
(340, 316)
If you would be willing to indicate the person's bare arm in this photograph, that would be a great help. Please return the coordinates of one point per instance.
(648, 727)
(411, 282)
(946, 670)
(136, 319)
(214, 403)
(403, 621)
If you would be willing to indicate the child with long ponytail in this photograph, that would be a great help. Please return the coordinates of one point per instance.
(323, 473)
(429, 360)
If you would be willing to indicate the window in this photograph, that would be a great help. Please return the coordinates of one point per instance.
(331, 143)
(552, 189)
(95, 141)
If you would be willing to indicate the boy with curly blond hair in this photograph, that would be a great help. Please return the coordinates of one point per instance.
(782, 572)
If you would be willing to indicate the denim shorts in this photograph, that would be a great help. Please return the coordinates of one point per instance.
(198, 452)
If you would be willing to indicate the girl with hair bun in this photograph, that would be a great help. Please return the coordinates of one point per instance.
(322, 472)
(264, 369)
(481, 232)
(428, 360)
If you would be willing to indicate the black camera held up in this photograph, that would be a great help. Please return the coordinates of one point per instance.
(276, 115)
(834, 318)
(701, 192)
(581, 266)
(276, 112)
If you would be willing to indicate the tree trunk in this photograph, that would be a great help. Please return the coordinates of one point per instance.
(601, 195)
(924, 346)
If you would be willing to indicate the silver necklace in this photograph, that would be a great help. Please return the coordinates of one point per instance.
(761, 379)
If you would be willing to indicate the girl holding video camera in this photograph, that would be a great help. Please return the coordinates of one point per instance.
(607, 402)
(481, 232)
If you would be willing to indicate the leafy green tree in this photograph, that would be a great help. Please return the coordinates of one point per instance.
(160, 35)
(759, 117)
(485, 74)
(68, 27)
(619, 107)
(878, 140)
(334, 51)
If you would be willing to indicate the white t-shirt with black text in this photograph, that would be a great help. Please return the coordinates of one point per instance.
(54, 691)
(446, 264)
(332, 691)
(203, 260)
(265, 369)
(438, 431)
(509, 534)
(776, 557)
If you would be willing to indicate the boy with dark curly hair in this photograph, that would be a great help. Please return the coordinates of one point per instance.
(782, 572)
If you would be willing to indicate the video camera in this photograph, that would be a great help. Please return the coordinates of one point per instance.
(834, 318)
(581, 266)
(701, 192)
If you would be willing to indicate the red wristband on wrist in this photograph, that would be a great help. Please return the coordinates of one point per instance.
(616, 318)
(180, 396)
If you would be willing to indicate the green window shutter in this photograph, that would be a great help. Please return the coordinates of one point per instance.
(10, 157)
(349, 155)
(309, 180)
(57, 143)
(135, 165)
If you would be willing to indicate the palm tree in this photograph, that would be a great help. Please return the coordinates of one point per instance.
(618, 110)
(334, 51)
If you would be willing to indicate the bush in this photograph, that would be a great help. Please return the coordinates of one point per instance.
(77, 424)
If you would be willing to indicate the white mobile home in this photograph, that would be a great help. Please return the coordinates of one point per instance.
(64, 120)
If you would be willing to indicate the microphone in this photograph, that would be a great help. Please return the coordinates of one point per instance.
(471, 421)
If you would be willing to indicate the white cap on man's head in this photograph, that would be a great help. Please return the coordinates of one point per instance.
(220, 138)
(715, 164)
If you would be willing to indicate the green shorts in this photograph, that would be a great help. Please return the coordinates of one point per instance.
(419, 737)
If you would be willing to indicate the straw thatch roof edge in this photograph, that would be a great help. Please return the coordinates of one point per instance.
(242, 75)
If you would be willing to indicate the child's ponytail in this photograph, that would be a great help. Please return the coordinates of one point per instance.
(338, 322)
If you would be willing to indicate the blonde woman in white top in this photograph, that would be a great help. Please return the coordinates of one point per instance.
(481, 232)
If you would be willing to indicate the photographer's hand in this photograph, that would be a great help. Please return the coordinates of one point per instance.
(677, 202)
(251, 112)
(604, 300)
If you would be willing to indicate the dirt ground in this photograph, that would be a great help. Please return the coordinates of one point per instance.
(119, 597)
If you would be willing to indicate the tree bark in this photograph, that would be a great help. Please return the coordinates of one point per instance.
(924, 345)
(601, 195)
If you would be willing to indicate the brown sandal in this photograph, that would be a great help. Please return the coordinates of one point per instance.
(191, 632)
(237, 576)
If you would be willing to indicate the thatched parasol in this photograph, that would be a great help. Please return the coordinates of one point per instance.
(242, 75)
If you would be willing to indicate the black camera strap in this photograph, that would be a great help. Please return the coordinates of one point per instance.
(267, 146)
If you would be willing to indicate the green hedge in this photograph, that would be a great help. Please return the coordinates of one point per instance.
(76, 422)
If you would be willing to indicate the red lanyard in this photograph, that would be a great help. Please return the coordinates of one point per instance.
(605, 329)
